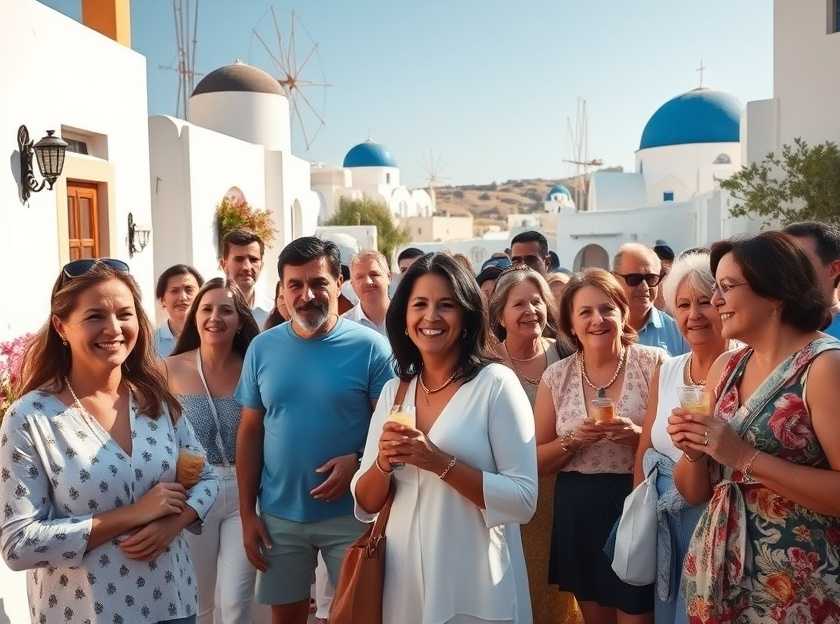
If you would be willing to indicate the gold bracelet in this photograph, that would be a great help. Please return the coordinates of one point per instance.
(381, 469)
(747, 469)
(567, 437)
(690, 460)
(449, 466)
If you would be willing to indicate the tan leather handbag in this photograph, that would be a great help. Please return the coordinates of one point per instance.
(358, 593)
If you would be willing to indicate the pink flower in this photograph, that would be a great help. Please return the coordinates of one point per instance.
(804, 563)
(790, 422)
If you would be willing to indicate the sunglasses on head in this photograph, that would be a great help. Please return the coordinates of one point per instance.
(634, 279)
(77, 268)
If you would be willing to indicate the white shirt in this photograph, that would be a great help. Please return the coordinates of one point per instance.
(357, 314)
(259, 314)
(670, 376)
(59, 467)
(447, 560)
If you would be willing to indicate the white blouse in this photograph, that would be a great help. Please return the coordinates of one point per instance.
(447, 561)
(57, 469)
(671, 375)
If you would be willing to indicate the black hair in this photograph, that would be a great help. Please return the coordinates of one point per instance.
(554, 262)
(308, 248)
(826, 238)
(410, 253)
(241, 237)
(490, 273)
(474, 353)
(775, 268)
(274, 317)
(174, 271)
(531, 236)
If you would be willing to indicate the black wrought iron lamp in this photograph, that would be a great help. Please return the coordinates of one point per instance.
(138, 236)
(49, 151)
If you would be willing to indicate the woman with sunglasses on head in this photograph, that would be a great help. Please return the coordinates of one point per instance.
(203, 372)
(175, 290)
(687, 291)
(521, 308)
(88, 455)
(468, 475)
(589, 411)
(767, 457)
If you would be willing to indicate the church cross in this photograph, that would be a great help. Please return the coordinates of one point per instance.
(701, 69)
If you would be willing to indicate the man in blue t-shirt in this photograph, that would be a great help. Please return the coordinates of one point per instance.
(821, 243)
(308, 389)
(639, 272)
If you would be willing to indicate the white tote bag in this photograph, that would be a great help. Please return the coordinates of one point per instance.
(634, 561)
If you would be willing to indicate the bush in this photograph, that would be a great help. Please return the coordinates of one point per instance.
(232, 215)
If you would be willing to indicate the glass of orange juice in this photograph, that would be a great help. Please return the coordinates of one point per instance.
(603, 409)
(693, 399)
(403, 415)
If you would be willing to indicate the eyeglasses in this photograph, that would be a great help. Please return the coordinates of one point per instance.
(77, 268)
(634, 279)
(722, 289)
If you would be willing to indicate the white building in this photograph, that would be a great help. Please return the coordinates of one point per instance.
(369, 170)
(689, 144)
(558, 199)
(237, 143)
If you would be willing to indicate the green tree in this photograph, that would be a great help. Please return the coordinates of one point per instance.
(803, 184)
(369, 212)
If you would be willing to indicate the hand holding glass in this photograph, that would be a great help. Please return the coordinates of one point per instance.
(403, 415)
(693, 399)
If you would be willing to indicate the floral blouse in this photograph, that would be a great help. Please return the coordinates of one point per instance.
(58, 468)
(757, 556)
(563, 379)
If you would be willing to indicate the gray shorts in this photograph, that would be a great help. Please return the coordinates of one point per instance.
(294, 551)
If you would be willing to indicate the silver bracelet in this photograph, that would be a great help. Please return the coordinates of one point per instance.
(449, 466)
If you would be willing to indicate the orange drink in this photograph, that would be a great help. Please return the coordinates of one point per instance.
(693, 399)
(603, 409)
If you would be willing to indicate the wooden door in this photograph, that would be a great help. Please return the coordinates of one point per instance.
(82, 220)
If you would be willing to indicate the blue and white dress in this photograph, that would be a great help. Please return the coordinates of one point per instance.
(58, 468)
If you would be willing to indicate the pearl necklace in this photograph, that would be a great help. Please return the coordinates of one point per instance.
(690, 378)
(448, 381)
(600, 390)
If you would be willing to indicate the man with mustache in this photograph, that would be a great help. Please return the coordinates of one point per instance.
(242, 257)
(369, 277)
(308, 389)
(639, 271)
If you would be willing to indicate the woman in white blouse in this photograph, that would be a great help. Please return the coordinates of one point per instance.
(687, 292)
(88, 456)
(468, 474)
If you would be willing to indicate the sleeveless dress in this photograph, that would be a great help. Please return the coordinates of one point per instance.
(757, 556)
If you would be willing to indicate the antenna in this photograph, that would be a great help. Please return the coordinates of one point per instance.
(433, 167)
(186, 43)
(701, 69)
(579, 142)
(292, 70)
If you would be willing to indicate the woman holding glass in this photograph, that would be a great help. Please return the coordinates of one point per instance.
(687, 293)
(767, 458)
(468, 474)
(521, 308)
(589, 411)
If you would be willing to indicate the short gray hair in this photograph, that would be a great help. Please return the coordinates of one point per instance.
(371, 254)
(694, 267)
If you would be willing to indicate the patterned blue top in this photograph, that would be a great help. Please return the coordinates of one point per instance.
(197, 409)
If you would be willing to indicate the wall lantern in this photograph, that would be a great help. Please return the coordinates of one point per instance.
(138, 236)
(50, 154)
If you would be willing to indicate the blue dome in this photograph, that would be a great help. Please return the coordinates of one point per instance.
(558, 188)
(369, 154)
(699, 116)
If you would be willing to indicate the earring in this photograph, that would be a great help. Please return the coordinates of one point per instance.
(406, 331)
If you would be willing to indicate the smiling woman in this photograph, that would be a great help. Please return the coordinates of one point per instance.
(89, 454)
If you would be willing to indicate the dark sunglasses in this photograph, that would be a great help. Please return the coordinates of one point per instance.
(634, 279)
(77, 268)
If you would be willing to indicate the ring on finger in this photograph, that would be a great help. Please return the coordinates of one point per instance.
(706, 438)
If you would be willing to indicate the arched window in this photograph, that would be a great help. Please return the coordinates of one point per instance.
(723, 159)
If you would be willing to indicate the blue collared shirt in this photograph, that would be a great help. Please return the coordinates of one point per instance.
(660, 330)
(833, 329)
(164, 340)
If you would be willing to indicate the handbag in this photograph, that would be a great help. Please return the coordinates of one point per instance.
(634, 559)
(358, 593)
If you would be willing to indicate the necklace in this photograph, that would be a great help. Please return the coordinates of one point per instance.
(599, 390)
(448, 381)
(527, 359)
(82, 409)
(690, 378)
(519, 373)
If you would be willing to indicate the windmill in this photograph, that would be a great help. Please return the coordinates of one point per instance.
(186, 42)
(433, 167)
(295, 62)
(579, 142)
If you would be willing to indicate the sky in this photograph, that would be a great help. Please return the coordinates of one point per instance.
(486, 87)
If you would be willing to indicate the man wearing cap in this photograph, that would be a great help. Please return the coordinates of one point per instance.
(638, 270)
(490, 272)
(666, 258)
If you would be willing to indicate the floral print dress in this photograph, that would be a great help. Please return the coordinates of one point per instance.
(757, 556)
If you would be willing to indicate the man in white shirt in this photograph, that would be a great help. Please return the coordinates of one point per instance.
(369, 277)
(242, 260)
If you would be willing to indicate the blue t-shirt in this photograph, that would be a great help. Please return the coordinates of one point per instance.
(833, 329)
(661, 330)
(316, 395)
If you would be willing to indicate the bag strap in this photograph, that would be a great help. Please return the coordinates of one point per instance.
(382, 518)
(219, 442)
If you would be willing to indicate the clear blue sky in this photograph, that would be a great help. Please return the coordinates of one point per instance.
(486, 85)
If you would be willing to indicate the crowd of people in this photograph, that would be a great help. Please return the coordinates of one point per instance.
(218, 468)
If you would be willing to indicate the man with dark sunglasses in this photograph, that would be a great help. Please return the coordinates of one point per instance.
(639, 271)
